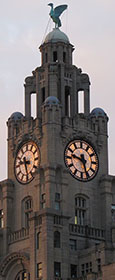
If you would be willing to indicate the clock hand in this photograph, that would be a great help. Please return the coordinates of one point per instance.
(84, 164)
(21, 162)
(74, 156)
(25, 164)
(27, 161)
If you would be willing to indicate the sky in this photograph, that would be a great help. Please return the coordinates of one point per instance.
(90, 26)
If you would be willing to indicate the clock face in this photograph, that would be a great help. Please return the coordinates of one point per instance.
(26, 162)
(81, 160)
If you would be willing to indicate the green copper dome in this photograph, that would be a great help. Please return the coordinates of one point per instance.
(56, 36)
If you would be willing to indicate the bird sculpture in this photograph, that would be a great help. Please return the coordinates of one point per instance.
(55, 13)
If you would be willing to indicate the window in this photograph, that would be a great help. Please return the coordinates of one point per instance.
(57, 201)
(81, 101)
(1, 219)
(28, 204)
(82, 269)
(23, 275)
(33, 105)
(56, 239)
(99, 265)
(46, 57)
(80, 210)
(43, 94)
(55, 59)
(39, 270)
(73, 271)
(90, 266)
(43, 200)
(28, 210)
(57, 269)
(57, 220)
(38, 240)
(73, 244)
(64, 57)
(86, 268)
(113, 212)
(67, 101)
(58, 176)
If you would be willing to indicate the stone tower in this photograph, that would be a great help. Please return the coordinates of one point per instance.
(57, 207)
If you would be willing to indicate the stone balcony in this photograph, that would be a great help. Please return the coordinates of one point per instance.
(87, 232)
(18, 235)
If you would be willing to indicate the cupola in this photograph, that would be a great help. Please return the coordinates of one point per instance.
(56, 48)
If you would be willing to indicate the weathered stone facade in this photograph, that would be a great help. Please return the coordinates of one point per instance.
(57, 227)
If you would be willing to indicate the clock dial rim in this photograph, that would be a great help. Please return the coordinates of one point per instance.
(73, 173)
(27, 163)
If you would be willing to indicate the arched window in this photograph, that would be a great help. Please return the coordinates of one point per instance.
(1, 218)
(80, 210)
(38, 240)
(56, 239)
(23, 275)
(27, 208)
(67, 101)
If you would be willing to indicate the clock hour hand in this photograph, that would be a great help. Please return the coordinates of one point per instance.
(76, 157)
(23, 162)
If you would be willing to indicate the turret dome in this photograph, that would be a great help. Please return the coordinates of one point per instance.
(98, 112)
(56, 36)
(16, 116)
(51, 100)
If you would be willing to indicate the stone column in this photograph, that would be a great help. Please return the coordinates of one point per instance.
(86, 102)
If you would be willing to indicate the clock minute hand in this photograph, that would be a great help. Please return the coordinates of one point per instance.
(25, 164)
(84, 164)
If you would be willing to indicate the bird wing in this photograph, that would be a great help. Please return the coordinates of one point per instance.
(59, 10)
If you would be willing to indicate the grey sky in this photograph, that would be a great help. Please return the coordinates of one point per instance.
(90, 26)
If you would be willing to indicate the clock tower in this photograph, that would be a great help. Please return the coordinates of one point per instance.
(57, 207)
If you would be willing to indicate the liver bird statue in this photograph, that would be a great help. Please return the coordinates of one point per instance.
(55, 13)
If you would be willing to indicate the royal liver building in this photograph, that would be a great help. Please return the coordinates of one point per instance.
(57, 207)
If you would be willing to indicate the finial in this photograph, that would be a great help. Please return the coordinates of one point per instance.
(55, 13)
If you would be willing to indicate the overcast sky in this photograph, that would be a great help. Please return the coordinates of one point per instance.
(90, 26)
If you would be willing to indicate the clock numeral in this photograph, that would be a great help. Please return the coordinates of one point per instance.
(70, 165)
(22, 150)
(19, 158)
(18, 173)
(68, 157)
(36, 158)
(75, 146)
(93, 162)
(34, 151)
(91, 155)
(75, 171)
(70, 150)
(87, 148)
(92, 169)
(80, 144)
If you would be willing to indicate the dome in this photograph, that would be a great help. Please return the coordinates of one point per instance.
(16, 116)
(51, 100)
(56, 36)
(98, 112)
